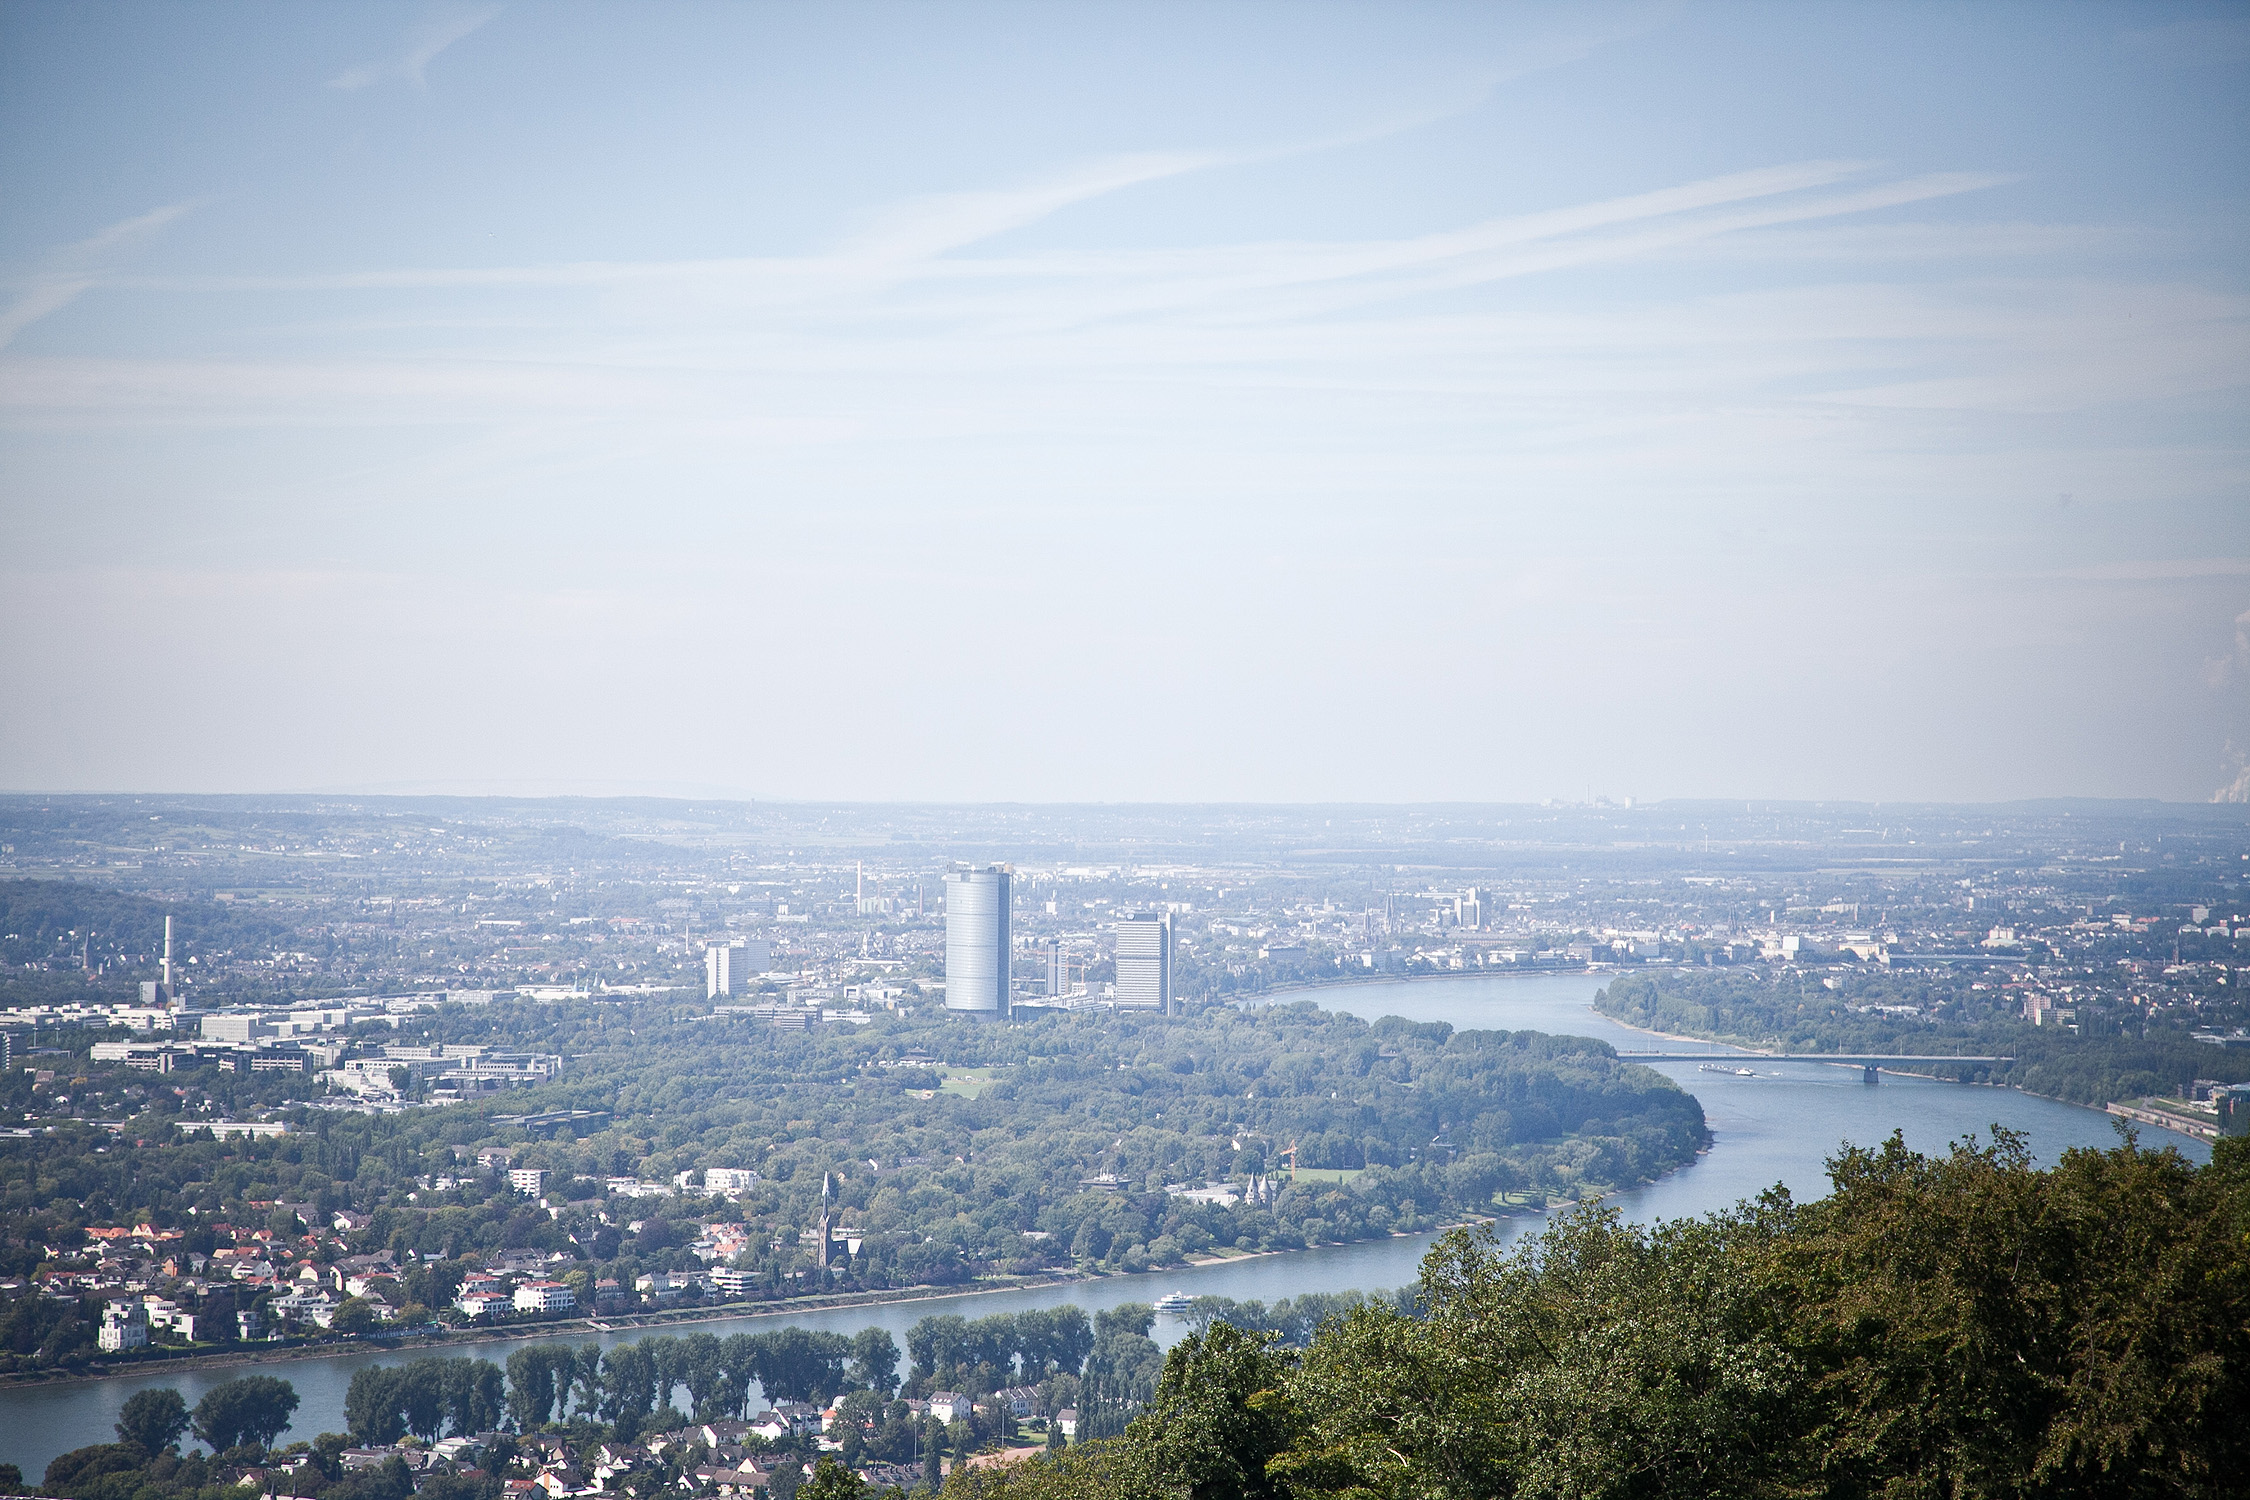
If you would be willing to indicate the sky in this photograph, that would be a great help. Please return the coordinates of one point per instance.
(1153, 402)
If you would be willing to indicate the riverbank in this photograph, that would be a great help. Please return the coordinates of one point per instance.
(507, 1333)
(2165, 1119)
(1362, 981)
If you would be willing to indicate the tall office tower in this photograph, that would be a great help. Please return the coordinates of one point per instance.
(1144, 961)
(977, 940)
(1058, 972)
(727, 968)
(1468, 908)
(167, 960)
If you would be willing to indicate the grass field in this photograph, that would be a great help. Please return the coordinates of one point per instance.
(968, 1082)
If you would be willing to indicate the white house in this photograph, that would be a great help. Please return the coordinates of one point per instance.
(545, 1297)
(124, 1326)
(312, 1305)
(483, 1304)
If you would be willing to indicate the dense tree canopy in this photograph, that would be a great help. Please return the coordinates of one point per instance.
(1963, 1325)
(154, 1419)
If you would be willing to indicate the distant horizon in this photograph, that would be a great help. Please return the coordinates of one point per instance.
(1599, 801)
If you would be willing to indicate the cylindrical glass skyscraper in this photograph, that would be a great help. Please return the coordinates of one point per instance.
(977, 940)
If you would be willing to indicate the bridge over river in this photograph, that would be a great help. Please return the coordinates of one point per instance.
(1873, 1062)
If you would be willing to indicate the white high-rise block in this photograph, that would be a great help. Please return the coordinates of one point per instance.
(1144, 961)
(977, 940)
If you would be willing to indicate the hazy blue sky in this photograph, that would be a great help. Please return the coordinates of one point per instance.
(1119, 402)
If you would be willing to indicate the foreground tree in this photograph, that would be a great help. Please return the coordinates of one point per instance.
(254, 1409)
(1999, 1330)
(154, 1419)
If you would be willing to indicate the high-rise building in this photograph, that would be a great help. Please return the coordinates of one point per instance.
(729, 968)
(978, 941)
(1144, 961)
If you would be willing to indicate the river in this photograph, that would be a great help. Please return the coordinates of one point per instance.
(1779, 1126)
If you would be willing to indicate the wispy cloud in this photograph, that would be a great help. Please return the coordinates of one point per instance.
(72, 270)
(919, 232)
(901, 295)
(931, 225)
(1407, 355)
(423, 43)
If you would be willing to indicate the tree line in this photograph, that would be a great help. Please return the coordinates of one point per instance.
(236, 1420)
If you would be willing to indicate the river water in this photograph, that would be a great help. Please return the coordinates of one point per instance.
(1779, 1126)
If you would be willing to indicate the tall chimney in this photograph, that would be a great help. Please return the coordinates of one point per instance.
(167, 958)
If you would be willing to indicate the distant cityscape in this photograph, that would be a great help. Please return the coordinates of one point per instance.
(301, 921)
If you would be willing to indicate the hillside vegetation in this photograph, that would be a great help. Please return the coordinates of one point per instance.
(1962, 1325)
